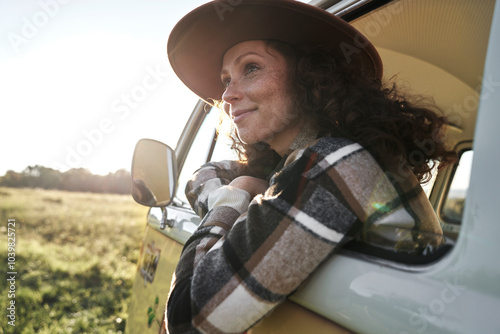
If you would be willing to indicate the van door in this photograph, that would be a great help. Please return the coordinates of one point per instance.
(162, 245)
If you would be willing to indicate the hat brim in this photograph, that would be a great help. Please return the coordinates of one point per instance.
(199, 40)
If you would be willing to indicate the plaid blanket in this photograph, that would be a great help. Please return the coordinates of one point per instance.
(248, 255)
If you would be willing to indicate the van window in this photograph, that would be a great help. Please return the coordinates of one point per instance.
(428, 186)
(453, 208)
(207, 146)
(200, 151)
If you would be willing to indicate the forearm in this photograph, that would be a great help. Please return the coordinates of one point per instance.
(208, 178)
(214, 175)
(226, 205)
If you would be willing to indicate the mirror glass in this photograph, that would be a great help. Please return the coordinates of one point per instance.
(154, 173)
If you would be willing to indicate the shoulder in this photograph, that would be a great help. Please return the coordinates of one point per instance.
(335, 157)
(326, 146)
(330, 149)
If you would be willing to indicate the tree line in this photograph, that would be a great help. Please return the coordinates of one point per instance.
(76, 179)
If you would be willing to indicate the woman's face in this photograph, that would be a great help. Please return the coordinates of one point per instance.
(257, 95)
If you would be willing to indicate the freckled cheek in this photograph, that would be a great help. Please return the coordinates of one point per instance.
(280, 101)
(271, 91)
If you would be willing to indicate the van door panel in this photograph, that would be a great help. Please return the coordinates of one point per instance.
(158, 259)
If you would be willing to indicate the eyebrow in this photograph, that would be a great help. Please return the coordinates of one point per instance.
(240, 57)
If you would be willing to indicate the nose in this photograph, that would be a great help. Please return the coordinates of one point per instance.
(232, 93)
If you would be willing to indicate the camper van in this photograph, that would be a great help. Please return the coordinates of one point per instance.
(447, 49)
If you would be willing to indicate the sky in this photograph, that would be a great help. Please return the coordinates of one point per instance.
(82, 81)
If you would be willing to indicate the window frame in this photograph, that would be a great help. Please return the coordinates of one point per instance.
(360, 249)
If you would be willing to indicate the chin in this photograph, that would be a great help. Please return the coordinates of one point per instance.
(248, 139)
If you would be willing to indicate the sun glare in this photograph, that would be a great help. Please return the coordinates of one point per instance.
(83, 99)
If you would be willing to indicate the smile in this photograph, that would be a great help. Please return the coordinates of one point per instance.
(240, 115)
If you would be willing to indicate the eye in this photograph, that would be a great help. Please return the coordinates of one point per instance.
(251, 68)
(225, 82)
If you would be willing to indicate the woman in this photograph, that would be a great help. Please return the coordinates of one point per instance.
(328, 155)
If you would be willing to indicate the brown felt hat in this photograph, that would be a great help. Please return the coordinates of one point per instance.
(198, 42)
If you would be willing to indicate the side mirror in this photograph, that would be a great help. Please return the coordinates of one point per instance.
(154, 173)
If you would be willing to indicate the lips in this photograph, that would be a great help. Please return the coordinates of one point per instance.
(239, 115)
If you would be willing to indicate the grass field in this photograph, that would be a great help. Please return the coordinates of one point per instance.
(75, 257)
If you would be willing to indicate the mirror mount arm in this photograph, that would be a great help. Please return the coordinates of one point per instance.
(164, 219)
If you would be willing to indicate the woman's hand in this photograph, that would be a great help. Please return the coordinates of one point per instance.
(252, 185)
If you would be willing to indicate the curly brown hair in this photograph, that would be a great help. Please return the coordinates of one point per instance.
(393, 126)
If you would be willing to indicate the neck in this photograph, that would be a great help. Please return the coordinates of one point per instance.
(304, 134)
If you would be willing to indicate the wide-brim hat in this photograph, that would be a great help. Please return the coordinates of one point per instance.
(200, 39)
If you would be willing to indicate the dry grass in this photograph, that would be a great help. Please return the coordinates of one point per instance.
(76, 255)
